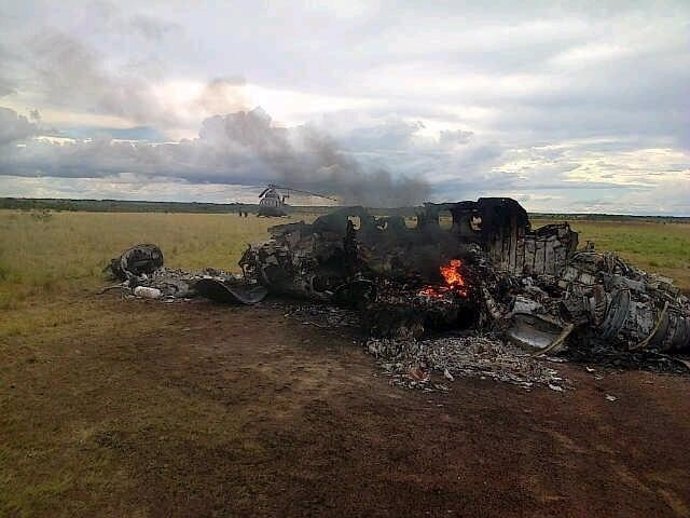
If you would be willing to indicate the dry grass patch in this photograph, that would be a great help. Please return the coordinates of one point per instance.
(46, 256)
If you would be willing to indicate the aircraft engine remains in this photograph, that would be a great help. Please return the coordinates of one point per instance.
(467, 266)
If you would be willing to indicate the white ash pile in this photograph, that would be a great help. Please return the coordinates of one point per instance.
(413, 363)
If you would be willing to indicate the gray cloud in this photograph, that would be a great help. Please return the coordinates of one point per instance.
(107, 17)
(77, 76)
(240, 148)
(554, 103)
(454, 137)
(8, 79)
(14, 127)
(245, 148)
(74, 75)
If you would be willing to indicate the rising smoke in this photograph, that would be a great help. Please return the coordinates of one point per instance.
(242, 148)
(304, 157)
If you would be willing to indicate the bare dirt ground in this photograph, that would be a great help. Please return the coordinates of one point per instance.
(218, 411)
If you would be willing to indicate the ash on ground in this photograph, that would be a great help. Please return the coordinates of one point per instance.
(433, 364)
(419, 363)
(317, 315)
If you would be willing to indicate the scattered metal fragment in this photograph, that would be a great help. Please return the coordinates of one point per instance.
(146, 280)
(419, 374)
(222, 291)
(471, 356)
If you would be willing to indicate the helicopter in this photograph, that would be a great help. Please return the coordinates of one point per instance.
(272, 204)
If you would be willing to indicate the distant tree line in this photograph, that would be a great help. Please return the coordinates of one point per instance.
(121, 206)
(54, 204)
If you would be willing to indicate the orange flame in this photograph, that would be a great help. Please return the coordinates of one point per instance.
(452, 275)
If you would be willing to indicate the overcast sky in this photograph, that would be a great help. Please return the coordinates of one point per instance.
(579, 106)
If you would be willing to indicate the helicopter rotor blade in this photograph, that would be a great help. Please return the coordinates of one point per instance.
(306, 192)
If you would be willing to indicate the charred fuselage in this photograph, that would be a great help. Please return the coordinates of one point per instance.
(534, 285)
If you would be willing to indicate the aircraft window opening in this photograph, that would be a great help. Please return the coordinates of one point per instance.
(445, 220)
(476, 222)
(356, 223)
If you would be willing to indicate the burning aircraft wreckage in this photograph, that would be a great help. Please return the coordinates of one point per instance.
(458, 298)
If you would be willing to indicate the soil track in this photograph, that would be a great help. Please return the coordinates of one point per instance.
(333, 437)
(276, 418)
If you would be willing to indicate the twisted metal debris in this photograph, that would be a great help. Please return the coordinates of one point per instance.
(142, 274)
(534, 289)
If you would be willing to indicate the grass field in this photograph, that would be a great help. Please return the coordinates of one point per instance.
(46, 254)
(87, 381)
